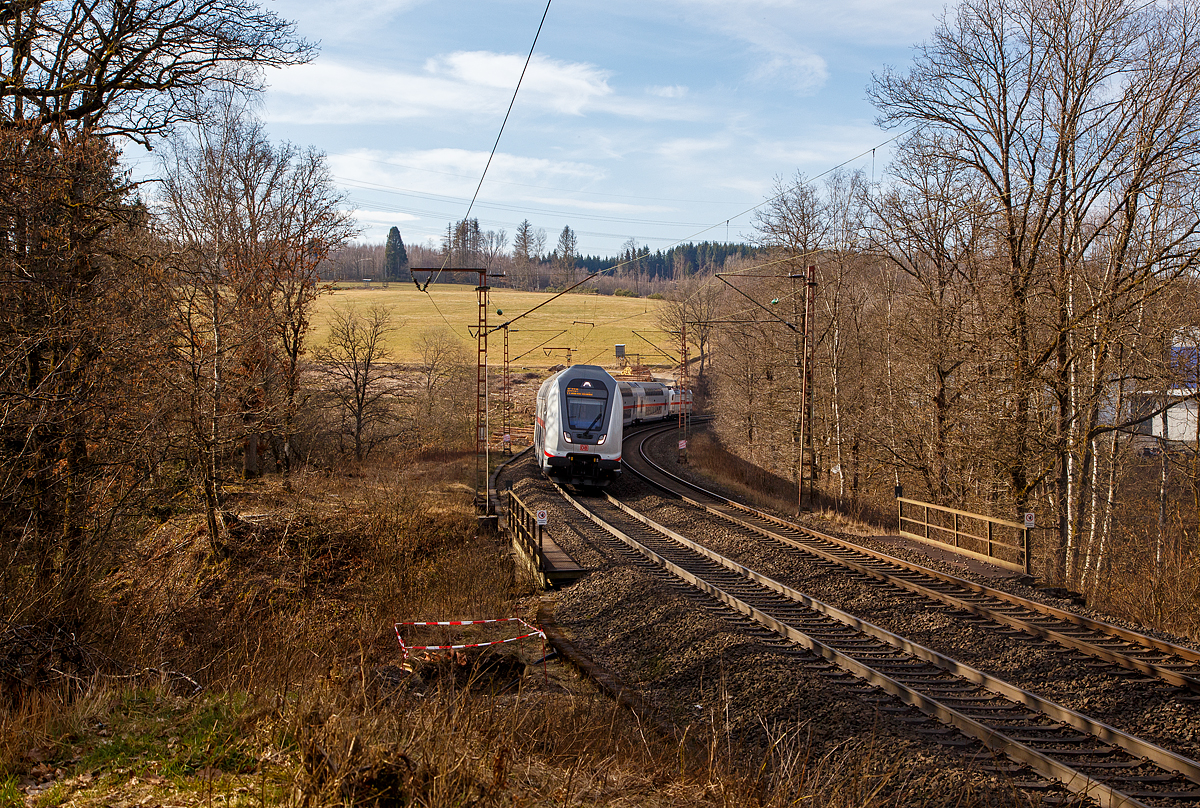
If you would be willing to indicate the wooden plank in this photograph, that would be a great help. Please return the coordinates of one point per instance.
(556, 558)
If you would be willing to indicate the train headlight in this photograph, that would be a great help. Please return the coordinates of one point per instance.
(566, 436)
(602, 439)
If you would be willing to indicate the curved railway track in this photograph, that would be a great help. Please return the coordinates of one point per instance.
(1086, 755)
(1109, 644)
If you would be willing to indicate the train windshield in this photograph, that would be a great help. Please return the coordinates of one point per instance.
(586, 401)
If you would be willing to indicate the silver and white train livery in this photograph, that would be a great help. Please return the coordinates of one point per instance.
(650, 401)
(577, 431)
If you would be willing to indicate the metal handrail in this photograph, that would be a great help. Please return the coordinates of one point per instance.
(932, 533)
(522, 524)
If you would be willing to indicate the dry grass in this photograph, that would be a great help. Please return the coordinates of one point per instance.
(304, 700)
(352, 742)
(592, 324)
(1157, 590)
(755, 485)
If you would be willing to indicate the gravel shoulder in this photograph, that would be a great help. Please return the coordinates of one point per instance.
(737, 691)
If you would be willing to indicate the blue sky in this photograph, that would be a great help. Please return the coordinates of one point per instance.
(650, 119)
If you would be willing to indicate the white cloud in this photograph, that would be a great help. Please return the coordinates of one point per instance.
(348, 20)
(767, 23)
(456, 172)
(803, 72)
(565, 87)
(471, 84)
(382, 217)
(676, 91)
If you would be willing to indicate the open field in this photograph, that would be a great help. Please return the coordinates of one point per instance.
(590, 325)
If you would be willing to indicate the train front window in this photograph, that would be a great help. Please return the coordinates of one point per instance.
(586, 402)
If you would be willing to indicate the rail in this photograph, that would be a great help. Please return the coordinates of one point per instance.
(975, 713)
(987, 543)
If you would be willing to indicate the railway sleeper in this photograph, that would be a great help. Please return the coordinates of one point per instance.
(1043, 785)
(986, 717)
(1041, 739)
(1074, 752)
(954, 689)
(963, 702)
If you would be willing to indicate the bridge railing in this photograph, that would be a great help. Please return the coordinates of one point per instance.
(996, 541)
(523, 526)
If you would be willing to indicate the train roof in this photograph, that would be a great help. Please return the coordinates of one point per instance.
(586, 372)
(580, 372)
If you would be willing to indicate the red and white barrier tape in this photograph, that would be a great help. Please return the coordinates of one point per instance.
(405, 649)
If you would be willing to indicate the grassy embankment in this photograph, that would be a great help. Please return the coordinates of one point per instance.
(272, 676)
(590, 324)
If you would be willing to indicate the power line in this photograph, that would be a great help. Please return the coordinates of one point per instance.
(503, 123)
(513, 101)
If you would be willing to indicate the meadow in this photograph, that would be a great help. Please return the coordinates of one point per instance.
(589, 325)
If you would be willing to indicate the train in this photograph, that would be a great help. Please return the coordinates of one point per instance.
(580, 416)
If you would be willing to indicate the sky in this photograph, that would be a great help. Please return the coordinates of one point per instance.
(663, 121)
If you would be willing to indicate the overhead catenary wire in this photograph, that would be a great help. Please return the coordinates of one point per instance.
(499, 134)
(751, 209)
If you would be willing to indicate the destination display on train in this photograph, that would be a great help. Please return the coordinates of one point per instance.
(599, 392)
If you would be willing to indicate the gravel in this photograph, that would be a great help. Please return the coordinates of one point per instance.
(712, 676)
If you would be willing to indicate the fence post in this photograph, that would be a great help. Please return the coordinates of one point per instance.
(1028, 560)
(541, 555)
(927, 521)
(955, 515)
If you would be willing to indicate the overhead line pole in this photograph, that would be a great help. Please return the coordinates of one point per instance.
(482, 501)
(682, 392)
(807, 458)
(806, 476)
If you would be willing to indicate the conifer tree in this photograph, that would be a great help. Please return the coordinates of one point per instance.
(395, 257)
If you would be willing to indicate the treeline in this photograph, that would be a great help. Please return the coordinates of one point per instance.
(528, 265)
(993, 322)
(677, 262)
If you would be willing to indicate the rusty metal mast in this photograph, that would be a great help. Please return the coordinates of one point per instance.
(506, 400)
(681, 385)
(807, 458)
(481, 342)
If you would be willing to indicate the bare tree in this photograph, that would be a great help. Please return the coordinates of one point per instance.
(307, 223)
(205, 294)
(929, 225)
(352, 363)
(445, 374)
(134, 69)
(692, 305)
(493, 244)
(1079, 122)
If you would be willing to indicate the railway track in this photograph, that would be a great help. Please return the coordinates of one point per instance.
(1106, 643)
(1086, 756)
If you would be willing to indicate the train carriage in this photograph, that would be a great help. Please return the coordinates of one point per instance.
(577, 431)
